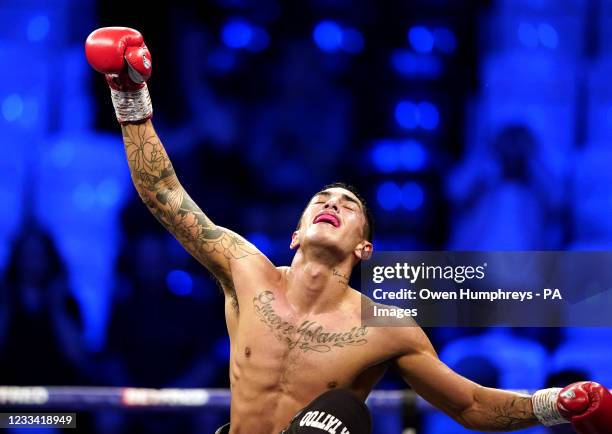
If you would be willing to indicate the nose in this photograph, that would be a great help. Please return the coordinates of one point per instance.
(332, 202)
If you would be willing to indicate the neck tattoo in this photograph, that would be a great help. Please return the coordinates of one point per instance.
(342, 278)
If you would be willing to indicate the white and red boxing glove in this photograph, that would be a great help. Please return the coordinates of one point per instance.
(122, 56)
(586, 405)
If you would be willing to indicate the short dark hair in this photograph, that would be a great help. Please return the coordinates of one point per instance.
(368, 230)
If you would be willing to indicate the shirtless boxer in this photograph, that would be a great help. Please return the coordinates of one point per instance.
(301, 361)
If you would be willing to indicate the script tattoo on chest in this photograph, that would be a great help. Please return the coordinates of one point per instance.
(307, 336)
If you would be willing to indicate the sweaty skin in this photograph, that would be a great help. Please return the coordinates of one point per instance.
(296, 331)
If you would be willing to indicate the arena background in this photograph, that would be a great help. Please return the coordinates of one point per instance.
(468, 125)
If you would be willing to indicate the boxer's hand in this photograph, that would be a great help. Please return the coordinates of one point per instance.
(122, 56)
(588, 406)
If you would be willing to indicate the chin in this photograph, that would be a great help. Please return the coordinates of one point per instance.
(323, 237)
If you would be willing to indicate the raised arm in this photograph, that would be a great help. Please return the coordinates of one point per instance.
(159, 188)
(121, 55)
(587, 405)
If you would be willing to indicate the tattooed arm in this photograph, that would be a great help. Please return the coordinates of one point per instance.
(159, 188)
(473, 406)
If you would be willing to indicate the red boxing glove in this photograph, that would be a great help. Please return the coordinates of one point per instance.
(122, 56)
(588, 406)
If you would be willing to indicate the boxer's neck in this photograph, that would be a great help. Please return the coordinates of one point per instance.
(316, 285)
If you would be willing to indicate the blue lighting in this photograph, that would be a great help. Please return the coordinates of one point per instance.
(411, 64)
(428, 116)
(29, 115)
(444, 40)
(237, 33)
(328, 35)
(179, 282)
(84, 196)
(259, 41)
(528, 35)
(548, 36)
(410, 115)
(221, 349)
(108, 192)
(222, 60)
(384, 156)
(404, 62)
(352, 41)
(407, 114)
(62, 154)
(609, 116)
(12, 107)
(412, 196)
(412, 155)
(261, 241)
(38, 28)
(421, 39)
(389, 195)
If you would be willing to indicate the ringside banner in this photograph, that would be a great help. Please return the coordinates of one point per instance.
(484, 289)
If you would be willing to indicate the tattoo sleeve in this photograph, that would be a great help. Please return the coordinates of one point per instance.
(159, 188)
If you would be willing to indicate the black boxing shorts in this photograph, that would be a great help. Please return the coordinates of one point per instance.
(337, 411)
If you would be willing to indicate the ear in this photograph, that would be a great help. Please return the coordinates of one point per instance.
(295, 242)
(363, 250)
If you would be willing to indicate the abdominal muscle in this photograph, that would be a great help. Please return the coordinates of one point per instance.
(269, 413)
(270, 383)
(264, 398)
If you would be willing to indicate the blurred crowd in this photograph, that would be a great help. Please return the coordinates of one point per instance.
(166, 325)
(505, 160)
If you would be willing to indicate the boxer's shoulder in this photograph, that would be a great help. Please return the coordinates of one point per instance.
(397, 336)
(254, 272)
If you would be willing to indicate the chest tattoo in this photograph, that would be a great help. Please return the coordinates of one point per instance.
(308, 335)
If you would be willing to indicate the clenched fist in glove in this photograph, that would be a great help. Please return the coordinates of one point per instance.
(122, 56)
(586, 405)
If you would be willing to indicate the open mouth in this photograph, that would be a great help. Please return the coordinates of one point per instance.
(327, 218)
